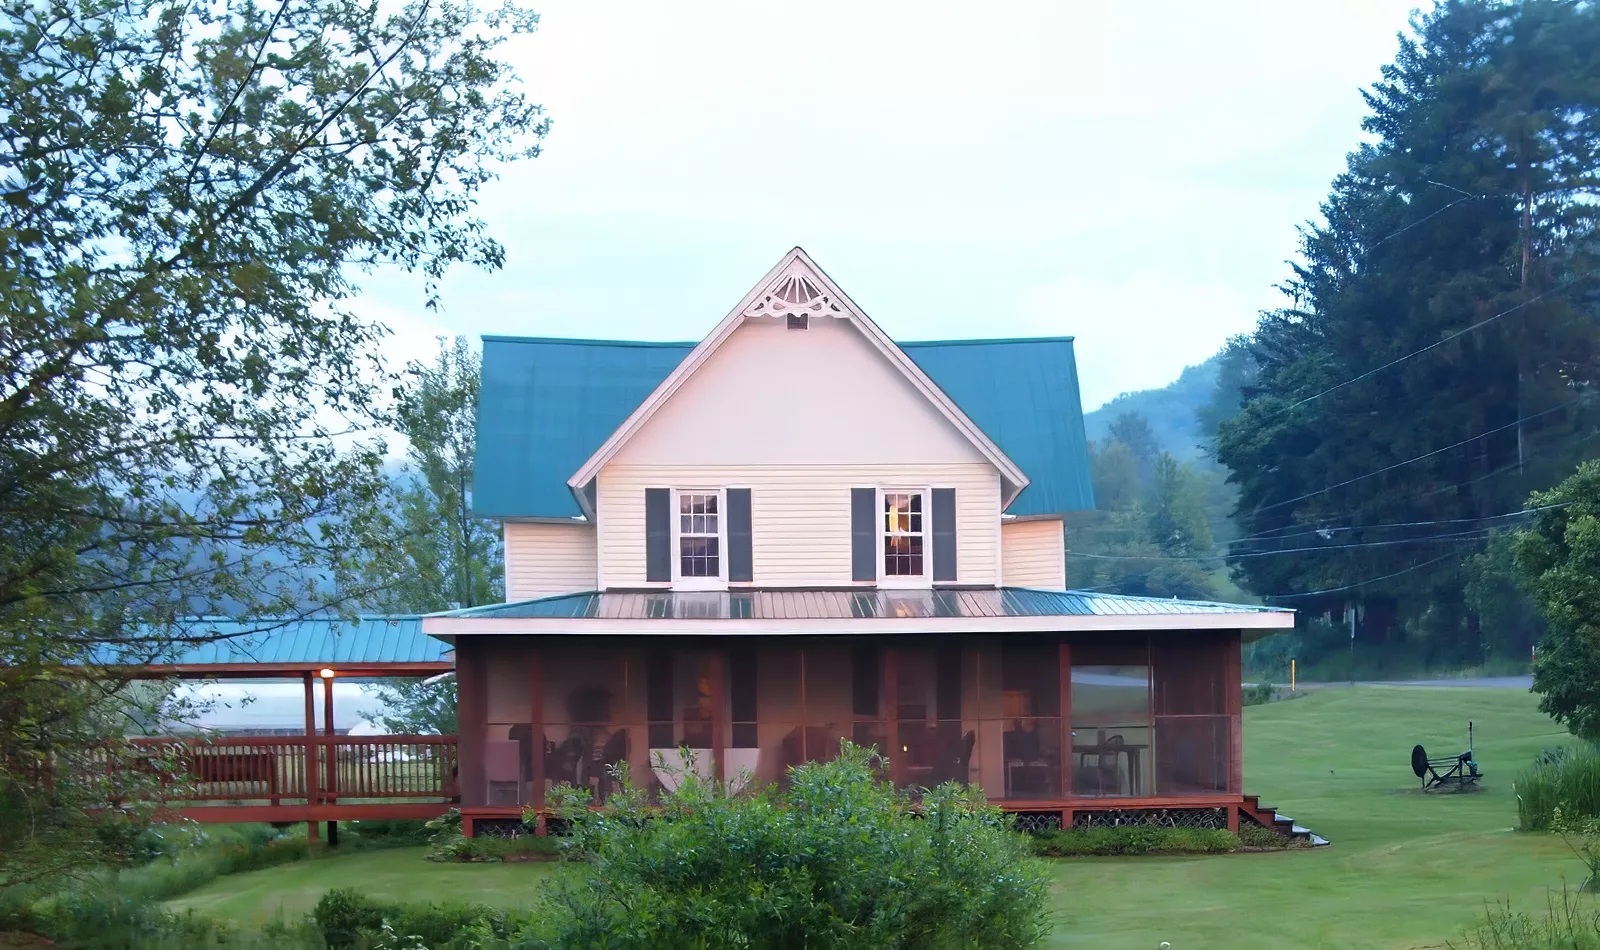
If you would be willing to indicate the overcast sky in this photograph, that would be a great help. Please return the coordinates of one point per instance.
(1128, 174)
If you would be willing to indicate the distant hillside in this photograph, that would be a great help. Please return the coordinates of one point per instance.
(1170, 410)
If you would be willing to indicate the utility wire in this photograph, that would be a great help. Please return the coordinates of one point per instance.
(1467, 196)
(1571, 439)
(1308, 532)
(1398, 360)
(1268, 536)
(1425, 455)
(1462, 536)
(1363, 583)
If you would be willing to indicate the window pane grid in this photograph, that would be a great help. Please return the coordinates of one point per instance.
(902, 534)
(699, 550)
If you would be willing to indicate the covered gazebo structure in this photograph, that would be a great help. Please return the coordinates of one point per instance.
(312, 777)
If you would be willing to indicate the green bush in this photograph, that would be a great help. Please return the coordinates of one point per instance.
(1259, 694)
(346, 918)
(385, 833)
(492, 848)
(839, 859)
(1252, 835)
(107, 921)
(168, 878)
(1569, 781)
(1567, 924)
(344, 915)
(447, 843)
(1133, 839)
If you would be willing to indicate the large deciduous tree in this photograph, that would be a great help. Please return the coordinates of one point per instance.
(1463, 233)
(1558, 559)
(188, 192)
(448, 557)
(445, 556)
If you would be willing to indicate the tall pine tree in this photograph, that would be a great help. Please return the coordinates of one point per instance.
(1464, 230)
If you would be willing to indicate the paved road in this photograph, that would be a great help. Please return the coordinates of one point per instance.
(1482, 682)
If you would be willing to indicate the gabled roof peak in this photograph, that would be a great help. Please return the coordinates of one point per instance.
(798, 288)
(797, 282)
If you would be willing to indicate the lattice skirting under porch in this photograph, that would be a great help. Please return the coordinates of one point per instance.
(1033, 822)
(1152, 818)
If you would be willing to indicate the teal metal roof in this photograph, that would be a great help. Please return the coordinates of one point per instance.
(1023, 394)
(364, 642)
(547, 404)
(836, 604)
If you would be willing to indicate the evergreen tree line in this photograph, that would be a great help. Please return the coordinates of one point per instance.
(1434, 361)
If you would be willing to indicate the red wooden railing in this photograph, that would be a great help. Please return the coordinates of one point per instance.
(312, 769)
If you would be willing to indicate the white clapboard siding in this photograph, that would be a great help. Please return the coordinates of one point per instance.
(546, 559)
(1034, 554)
(799, 515)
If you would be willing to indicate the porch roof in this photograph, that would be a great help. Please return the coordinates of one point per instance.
(836, 610)
(275, 647)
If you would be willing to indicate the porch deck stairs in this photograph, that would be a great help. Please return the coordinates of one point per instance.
(1268, 817)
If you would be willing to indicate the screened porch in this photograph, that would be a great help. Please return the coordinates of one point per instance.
(1035, 720)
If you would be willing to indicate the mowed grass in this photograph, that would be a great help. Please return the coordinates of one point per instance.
(1405, 869)
(397, 874)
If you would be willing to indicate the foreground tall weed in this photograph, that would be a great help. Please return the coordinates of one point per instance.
(1568, 779)
(839, 860)
(1568, 923)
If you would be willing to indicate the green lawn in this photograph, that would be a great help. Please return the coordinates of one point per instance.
(1405, 870)
(398, 874)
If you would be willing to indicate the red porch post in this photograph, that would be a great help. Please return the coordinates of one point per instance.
(332, 752)
(1064, 658)
(310, 755)
(1234, 667)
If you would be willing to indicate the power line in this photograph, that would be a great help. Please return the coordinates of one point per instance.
(1425, 455)
(1462, 536)
(1270, 536)
(1570, 440)
(1469, 196)
(1363, 583)
(1459, 333)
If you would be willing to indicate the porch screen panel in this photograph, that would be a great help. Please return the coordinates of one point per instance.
(680, 715)
(592, 720)
(1019, 696)
(1112, 748)
(842, 690)
(938, 743)
(1193, 730)
(764, 714)
(510, 738)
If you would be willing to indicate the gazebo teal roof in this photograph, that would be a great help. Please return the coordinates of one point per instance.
(269, 647)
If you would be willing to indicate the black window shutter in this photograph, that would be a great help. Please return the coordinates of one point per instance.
(944, 534)
(741, 543)
(863, 536)
(657, 534)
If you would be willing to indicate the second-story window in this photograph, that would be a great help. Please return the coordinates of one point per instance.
(699, 535)
(903, 538)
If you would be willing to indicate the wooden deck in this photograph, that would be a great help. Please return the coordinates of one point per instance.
(301, 778)
(348, 778)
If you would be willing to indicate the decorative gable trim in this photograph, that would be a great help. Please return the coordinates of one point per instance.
(796, 284)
